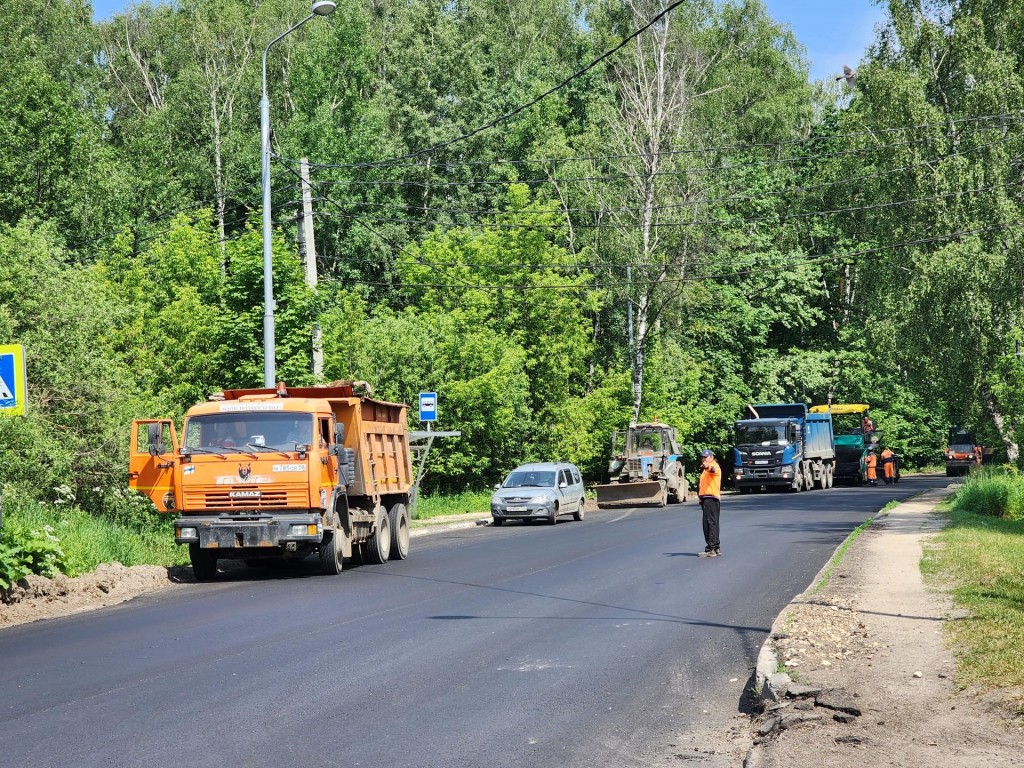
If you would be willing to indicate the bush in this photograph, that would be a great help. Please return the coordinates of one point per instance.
(993, 492)
(26, 550)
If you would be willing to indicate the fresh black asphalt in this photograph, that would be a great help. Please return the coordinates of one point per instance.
(598, 643)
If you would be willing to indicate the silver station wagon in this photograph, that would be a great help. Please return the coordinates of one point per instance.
(541, 491)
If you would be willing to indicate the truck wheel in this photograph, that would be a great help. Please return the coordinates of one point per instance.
(330, 554)
(399, 532)
(378, 546)
(830, 477)
(808, 477)
(798, 482)
(578, 514)
(204, 562)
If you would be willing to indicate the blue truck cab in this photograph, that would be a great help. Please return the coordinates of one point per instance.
(784, 445)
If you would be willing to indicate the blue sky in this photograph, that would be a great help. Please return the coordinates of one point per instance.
(834, 33)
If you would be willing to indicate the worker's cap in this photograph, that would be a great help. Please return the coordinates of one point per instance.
(707, 452)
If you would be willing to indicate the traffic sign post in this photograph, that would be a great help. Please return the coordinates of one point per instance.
(421, 441)
(13, 390)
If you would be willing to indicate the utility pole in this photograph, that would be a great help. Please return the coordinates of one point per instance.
(307, 248)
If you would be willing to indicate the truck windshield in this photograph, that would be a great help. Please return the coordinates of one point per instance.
(280, 430)
(525, 479)
(760, 434)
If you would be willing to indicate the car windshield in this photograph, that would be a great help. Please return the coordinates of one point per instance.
(530, 479)
(280, 430)
(760, 434)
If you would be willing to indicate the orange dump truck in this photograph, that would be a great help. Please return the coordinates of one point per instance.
(264, 473)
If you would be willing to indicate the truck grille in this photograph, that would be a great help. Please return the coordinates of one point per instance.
(269, 498)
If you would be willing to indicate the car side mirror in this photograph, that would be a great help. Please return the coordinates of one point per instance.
(155, 435)
(563, 484)
(497, 486)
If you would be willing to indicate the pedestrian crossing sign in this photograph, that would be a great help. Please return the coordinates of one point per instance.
(13, 393)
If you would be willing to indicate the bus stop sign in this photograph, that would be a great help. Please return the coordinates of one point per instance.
(428, 406)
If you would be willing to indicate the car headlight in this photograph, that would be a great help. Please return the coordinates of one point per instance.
(545, 500)
(303, 530)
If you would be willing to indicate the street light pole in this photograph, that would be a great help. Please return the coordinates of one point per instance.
(320, 8)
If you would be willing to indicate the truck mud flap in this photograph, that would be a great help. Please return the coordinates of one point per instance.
(641, 494)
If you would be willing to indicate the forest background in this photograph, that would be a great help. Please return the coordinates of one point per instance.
(683, 228)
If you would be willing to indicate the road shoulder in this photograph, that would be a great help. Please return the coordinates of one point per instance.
(873, 637)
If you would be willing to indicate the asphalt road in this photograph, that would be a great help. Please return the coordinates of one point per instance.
(585, 644)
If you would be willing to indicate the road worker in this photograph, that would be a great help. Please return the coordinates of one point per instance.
(888, 465)
(872, 463)
(709, 491)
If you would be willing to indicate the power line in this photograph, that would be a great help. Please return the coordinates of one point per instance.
(522, 107)
(774, 267)
(714, 149)
(775, 218)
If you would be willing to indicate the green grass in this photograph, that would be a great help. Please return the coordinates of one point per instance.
(980, 558)
(998, 492)
(88, 541)
(889, 506)
(838, 556)
(467, 502)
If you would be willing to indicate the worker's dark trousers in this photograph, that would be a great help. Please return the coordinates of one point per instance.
(712, 508)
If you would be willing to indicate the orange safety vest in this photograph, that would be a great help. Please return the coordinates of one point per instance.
(888, 463)
(872, 463)
(710, 481)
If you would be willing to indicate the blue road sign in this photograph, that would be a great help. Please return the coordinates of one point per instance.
(12, 379)
(428, 406)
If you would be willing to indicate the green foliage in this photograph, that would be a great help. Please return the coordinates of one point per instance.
(26, 546)
(994, 493)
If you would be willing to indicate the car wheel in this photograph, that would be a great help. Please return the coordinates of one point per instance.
(553, 519)
(578, 514)
(498, 522)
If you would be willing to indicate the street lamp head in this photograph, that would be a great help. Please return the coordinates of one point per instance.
(324, 7)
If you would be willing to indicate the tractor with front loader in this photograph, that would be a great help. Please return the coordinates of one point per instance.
(646, 468)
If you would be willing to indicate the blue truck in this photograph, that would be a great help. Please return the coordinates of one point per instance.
(783, 446)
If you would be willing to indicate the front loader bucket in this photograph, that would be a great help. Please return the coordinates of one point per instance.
(639, 494)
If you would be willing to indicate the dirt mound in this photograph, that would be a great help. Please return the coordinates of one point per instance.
(37, 597)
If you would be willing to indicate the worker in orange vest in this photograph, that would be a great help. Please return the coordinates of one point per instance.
(709, 491)
(888, 465)
(872, 467)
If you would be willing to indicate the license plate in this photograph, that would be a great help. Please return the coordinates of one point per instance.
(516, 509)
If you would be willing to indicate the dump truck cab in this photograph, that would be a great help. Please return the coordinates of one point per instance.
(280, 473)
